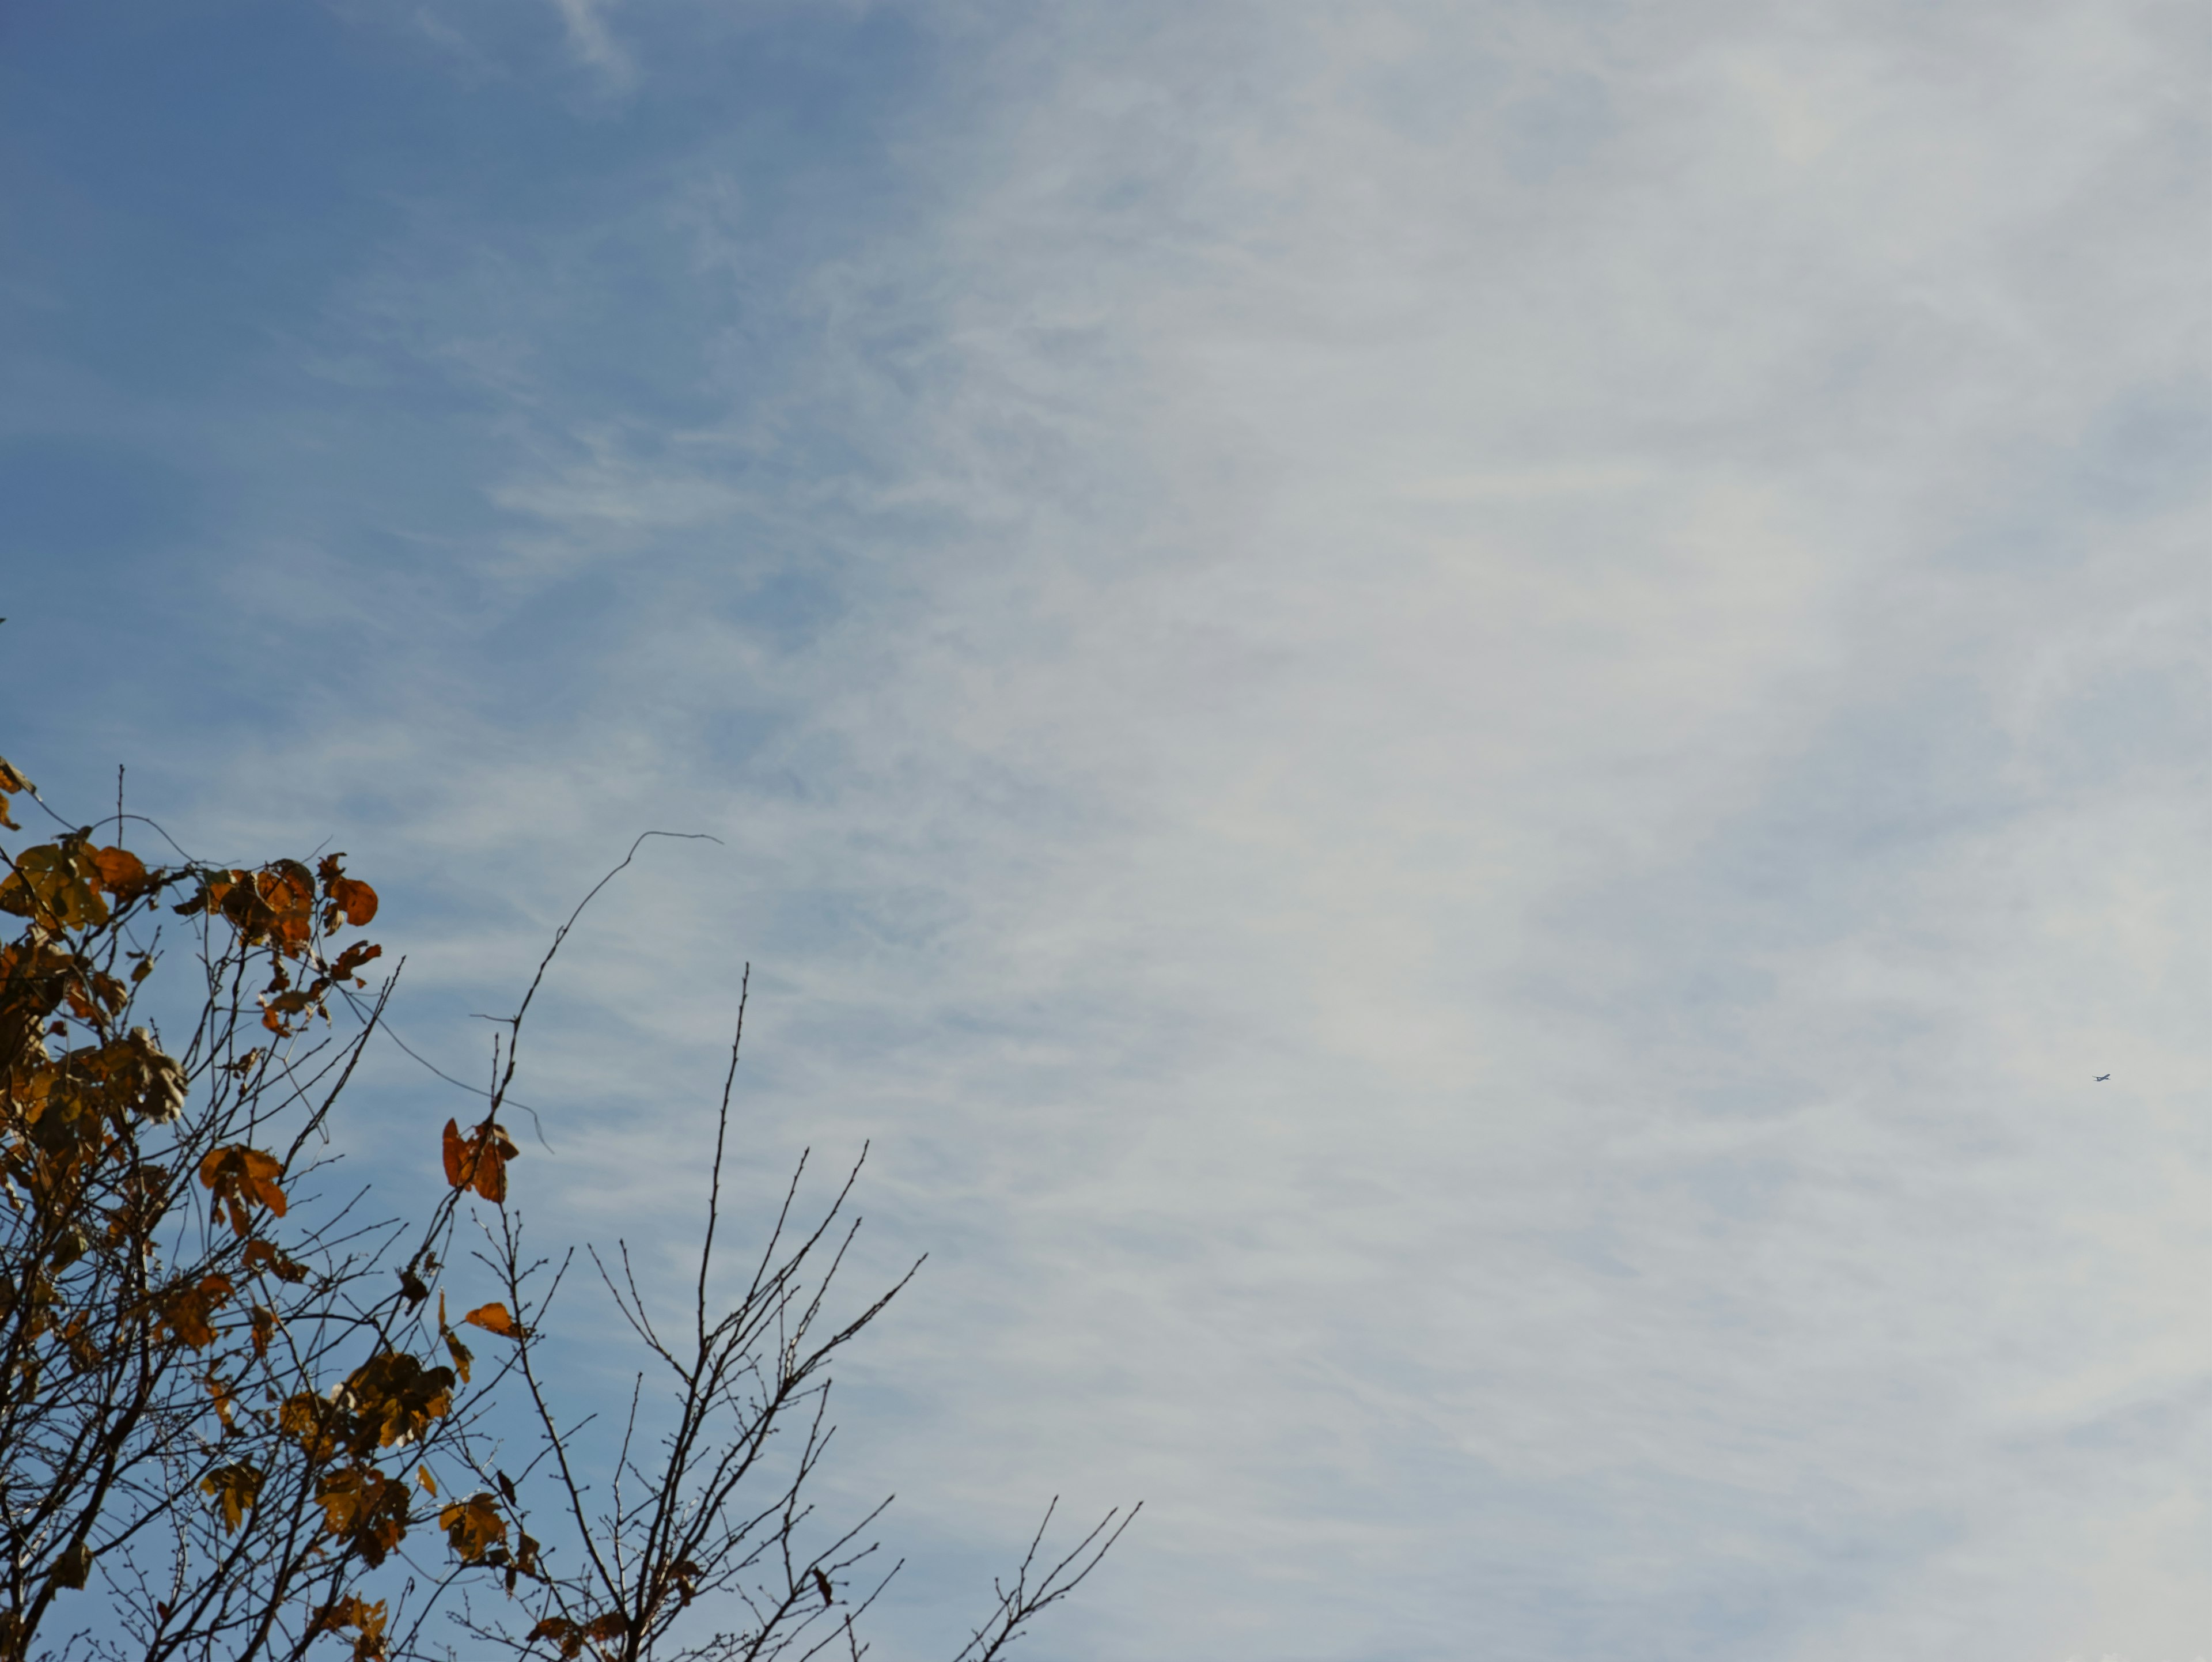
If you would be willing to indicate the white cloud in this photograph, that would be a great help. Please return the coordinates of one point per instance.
(594, 44)
(1464, 724)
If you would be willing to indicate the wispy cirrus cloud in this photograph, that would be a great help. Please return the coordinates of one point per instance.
(594, 43)
(1463, 726)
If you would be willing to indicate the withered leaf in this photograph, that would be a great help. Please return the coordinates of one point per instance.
(473, 1526)
(74, 1568)
(364, 1509)
(351, 960)
(259, 1255)
(367, 1620)
(238, 1175)
(346, 896)
(57, 885)
(479, 1160)
(235, 1488)
(494, 1317)
(187, 1308)
(394, 1397)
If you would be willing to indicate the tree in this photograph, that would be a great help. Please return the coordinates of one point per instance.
(234, 1400)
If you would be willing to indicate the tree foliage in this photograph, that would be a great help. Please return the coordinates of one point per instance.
(238, 1419)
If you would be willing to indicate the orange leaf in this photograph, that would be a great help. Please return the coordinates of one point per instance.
(344, 895)
(479, 1160)
(355, 899)
(123, 872)
(493, 1319)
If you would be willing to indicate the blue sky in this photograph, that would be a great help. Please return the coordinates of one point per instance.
(1461, 724)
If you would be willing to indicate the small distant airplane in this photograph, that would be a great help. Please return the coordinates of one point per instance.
(2101, 1079)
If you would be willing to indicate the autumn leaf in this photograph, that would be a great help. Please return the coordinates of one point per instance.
(313, 1422)
(235, 1489)
(366, 1619)
(226, 1399)
(364, 1509)
(147, 1076)
(261, 1255)
(685, 1575)
(274, 906)
(123, 874)
(351, 960)
(74, 1568)
(479, 1159)
(11, 784)
(356, 900)
(473, 1526)
(55, 883)
(562, 1632)
(238, 1175)
(429, 1484)
(276, 1012)
(286, 891)
(394, 1399)
(524, 1561)
(344, 896)
(186, 1309)
(493, 1319)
